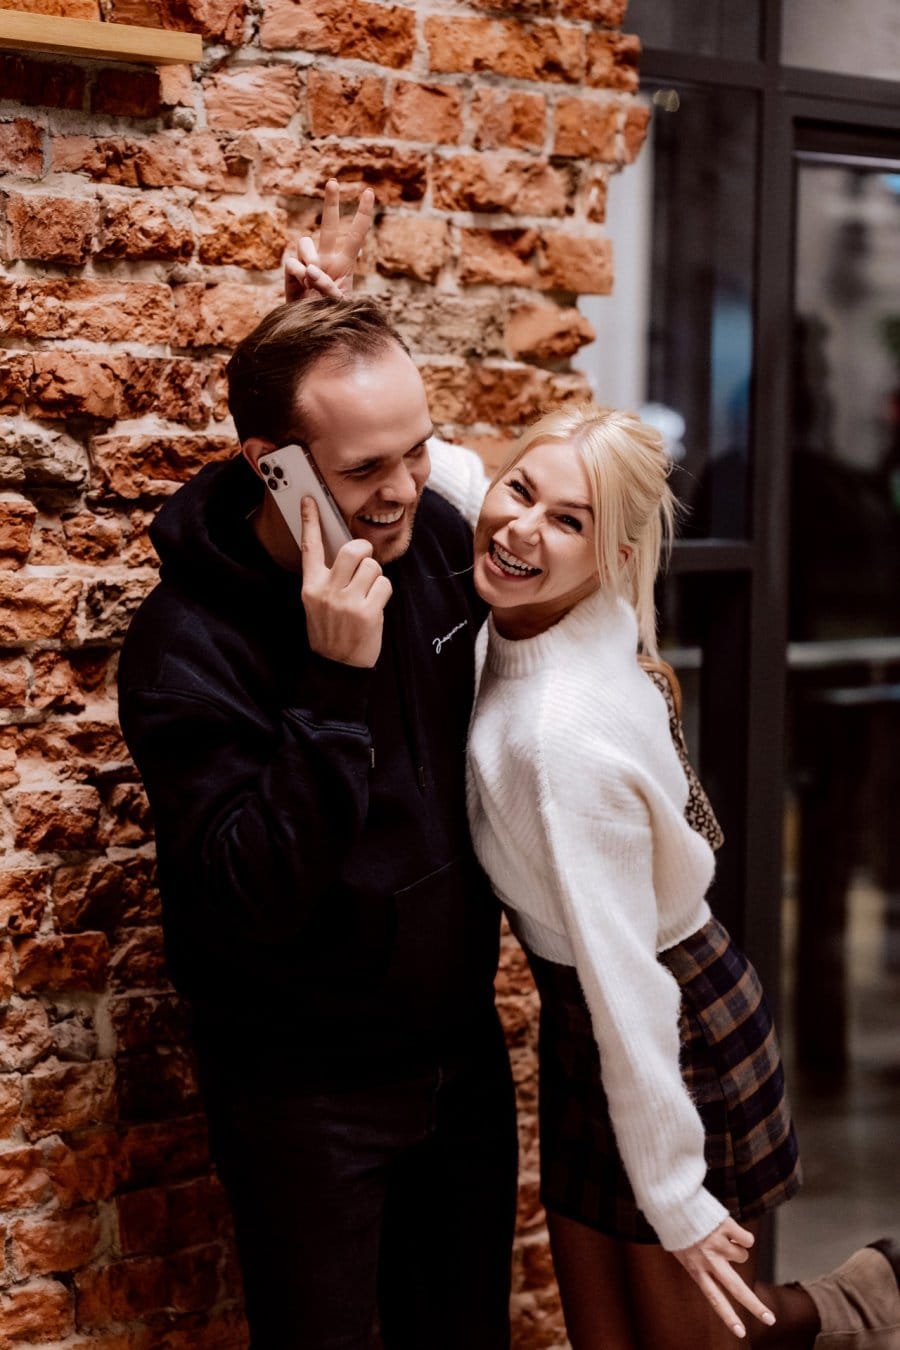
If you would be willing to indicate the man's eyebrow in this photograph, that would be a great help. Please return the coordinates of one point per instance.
(568, 506)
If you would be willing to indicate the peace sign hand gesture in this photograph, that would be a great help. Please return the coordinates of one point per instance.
(328, 269)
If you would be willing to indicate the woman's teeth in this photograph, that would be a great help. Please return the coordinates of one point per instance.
(510, 564)
(390, 518)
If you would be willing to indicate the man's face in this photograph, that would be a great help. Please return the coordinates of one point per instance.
(367, 426)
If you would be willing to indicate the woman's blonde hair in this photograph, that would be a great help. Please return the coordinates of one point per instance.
(634, 507)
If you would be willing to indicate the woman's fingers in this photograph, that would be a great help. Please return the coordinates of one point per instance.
(740, 1291)
(719, 1304)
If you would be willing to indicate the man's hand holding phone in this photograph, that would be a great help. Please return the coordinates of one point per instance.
(344, 603)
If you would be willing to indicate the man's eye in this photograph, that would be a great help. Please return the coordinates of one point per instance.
(361, 471)
(416, 451)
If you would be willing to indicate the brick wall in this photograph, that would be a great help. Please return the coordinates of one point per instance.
(144, 217)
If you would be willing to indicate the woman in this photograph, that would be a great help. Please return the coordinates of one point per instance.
(665, 1134)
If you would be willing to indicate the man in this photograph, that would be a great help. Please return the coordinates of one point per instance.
(300, 730)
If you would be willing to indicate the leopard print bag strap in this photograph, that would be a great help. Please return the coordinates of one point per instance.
(698, 813)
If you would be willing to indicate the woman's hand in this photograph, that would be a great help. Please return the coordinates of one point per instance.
(710, 1262)
(328, 269)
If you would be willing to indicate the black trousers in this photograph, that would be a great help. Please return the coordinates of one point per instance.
(389, 1206)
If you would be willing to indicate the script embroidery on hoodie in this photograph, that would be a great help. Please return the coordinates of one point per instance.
(438, 642)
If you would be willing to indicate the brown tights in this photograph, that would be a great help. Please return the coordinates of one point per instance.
(625, 1296)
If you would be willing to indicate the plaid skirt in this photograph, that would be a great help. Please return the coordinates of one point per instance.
(731, 1066)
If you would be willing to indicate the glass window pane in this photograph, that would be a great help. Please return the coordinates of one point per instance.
(706, 27)
(676, 337)
(861, 38)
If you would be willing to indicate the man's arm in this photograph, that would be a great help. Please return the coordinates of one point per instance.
(255, 810)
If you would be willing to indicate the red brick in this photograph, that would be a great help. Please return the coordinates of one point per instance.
(64, 818)
(217, 19)
(52, 229)
(7, 972)
(176, 86)
(93, 538)
(23, 895)
(17, 517)
(13, 694)
(637, 123)
(43, 83)
(33, 608)
(500, 183)
(24, 1182)
(415, 246)
(340, 105)
(65, 9)
(547, 51)
(139, 962)
(85, 1169)
(251, 96)
(504, 118)
(76, 961)
(67, 383)
(10, 1105)
(354, 29)
(133, 466)
(109, 606)
(131, 227)
(139, 311)
(512, 395)
(60, 682)
(126, 93)
(40, 1311)
(612, 60)
(141, 1021)
(50, 1245)
(426, 112)
(218, 315)
(253, 239)
(165, 1219)
(70, 1098)
(498, 257)
(88, 895)
(609, 12)
(163, 1150)
(575, 263)
(546, 333)
(21, 148)
(447, 388)
(167, 159)
(127, 821)
(587, 129)
(157, 1082)
(299, 170)
(26, 1036)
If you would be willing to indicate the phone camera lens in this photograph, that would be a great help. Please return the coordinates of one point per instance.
(266, 468)
(273, 484)
(278, 471)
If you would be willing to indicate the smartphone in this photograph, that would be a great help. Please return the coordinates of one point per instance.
(290, 473)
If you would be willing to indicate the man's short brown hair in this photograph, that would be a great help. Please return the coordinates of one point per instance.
(268, 367)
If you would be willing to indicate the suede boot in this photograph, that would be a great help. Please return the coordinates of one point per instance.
(859, 1303)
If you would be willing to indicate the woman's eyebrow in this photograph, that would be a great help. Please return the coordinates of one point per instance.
(568, 506)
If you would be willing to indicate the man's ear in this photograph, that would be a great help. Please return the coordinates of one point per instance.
(253, 448)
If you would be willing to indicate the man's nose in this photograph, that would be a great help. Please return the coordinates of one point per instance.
(400, 486)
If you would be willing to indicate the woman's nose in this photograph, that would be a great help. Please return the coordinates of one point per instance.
(527, 524)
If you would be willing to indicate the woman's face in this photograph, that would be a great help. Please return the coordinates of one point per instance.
(534, 544)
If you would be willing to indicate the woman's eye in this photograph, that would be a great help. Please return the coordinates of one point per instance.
(571, 523)
(518, 487)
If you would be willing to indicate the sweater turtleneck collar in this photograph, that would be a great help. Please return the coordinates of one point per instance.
(603, 620)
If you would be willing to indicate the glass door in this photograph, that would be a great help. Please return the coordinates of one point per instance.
(841, 1008)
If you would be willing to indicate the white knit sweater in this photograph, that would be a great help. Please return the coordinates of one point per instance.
(576, 804)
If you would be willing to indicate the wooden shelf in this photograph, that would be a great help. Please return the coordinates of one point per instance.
(87, 37)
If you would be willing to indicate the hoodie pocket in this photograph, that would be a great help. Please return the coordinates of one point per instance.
(426, 967)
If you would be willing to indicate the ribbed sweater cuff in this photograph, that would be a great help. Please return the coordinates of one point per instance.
(692, 1221)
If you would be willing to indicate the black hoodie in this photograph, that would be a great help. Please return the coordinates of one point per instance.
(321, 901)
